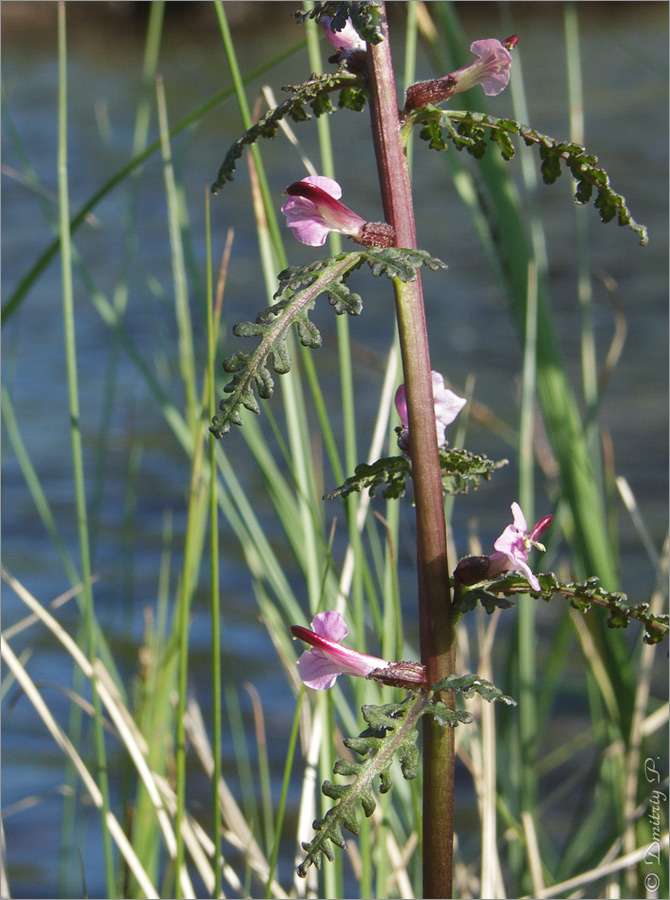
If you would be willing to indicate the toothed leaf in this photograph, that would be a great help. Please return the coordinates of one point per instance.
(474, 131)
(315, 92)
(583, 595)
(295, 299)
(461, 471)
(391, 732)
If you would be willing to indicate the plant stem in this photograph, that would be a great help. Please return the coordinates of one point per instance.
(434, 596)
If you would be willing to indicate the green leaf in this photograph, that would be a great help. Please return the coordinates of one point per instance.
(315, 92)
(296, 296)
(583, 596)
(474, 132)
(449, 717)
(391, 732)
(469, 685)
(461, 470)
(400, 262)
(391, 471)
(352, 98)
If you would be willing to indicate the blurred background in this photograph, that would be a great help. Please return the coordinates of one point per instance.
(137, 478)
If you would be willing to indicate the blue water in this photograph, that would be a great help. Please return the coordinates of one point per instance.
(624, 54)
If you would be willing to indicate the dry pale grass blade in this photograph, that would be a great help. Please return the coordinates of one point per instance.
(532, 852)
(400, 857)
(630, 503)
(237, 831)
(643, 682)
(376, 445)
(199, 845)
(4, 883)
(656, 720)
(289, 133)
(492, 883)
(59, 601)
(8, 679)
(123, 721)
(66, 746)
(617, 865)
(61, 790)
(480, 754)
(595, 662)
(307, 808)
(137, 748)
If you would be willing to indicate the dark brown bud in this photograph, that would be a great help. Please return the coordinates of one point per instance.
(403, 674)
(472, 569)
(422, 93)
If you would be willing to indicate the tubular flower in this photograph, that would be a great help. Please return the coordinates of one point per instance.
(313, 210)
(447, 407)
(514, 545)
(320, 666)
(346, 38)
(491, 70)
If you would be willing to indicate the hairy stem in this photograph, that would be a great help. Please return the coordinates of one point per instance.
(435, 625)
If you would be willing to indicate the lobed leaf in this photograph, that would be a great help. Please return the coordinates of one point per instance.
(461, 470)
(469, 685)
(298, 290)
(391, 732)
(315, 92)
(474, 131)
(583, 595)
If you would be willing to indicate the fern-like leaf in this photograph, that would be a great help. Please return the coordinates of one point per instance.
(469, 685)
(474, 131)
(461, 471)
(313, 92)
(583, 595)
(391, 732)
(252, 370)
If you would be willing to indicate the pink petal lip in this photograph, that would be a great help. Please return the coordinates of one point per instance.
(324, 200)
(354, 662)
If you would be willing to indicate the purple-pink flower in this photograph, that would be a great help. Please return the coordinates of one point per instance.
(320, 666)
(346, 38)
(491, 70)
(447, 407)
(313, 210)
(514, 545)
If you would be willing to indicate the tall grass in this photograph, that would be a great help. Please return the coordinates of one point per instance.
(157, 733)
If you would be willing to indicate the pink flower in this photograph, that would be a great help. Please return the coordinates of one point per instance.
(514, 545)
(491, 70)
(447, 407)
(346, 38)
(320, 666)
(313, 210)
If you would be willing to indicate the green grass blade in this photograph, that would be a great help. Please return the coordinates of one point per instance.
(76, 437)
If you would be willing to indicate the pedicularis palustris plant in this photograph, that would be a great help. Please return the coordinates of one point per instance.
(363, 75)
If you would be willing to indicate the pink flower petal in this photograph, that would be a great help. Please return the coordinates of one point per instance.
(313, 210)
(346, 38)
(447, 405)
(320, 666)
